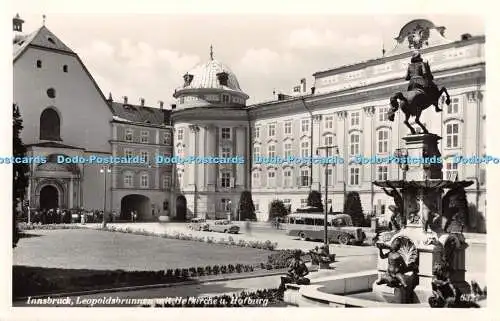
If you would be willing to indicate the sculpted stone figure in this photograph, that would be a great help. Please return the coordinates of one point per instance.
(297, 270)
(422, 93)
(455, 208)
(444, 293)
(396, 266)
(397, 210)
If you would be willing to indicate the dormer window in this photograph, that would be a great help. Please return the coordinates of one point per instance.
(51, 40)
(223, 77)
(188, 79)
(225, 99)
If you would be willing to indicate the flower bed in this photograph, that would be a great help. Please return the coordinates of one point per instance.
(27, 227)
(27, 282)
(264, 245)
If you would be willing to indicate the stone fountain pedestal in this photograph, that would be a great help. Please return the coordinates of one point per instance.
(425, 243)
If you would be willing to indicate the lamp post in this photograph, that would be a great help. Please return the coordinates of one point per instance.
(327, 148)
(105, 170)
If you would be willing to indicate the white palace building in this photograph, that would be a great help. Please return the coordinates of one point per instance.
(346, 107)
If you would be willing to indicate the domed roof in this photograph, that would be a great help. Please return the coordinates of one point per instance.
(205, 76)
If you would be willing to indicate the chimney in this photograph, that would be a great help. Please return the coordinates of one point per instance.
(110, 98)
(173, 106)
(142, 101)
(161, 104)
(313, 90)
(465, 36)
(303, 83)
(125, 100)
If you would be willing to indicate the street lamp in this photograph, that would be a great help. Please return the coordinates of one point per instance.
(327, 148)
(105, 170)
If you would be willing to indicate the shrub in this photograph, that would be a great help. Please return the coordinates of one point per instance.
(353, 207)
(208, 270)
(277, 209)
(215, 269)
(238, 268)
(314, 200)
(246, 206)
(192, 271)
(177, 272)
(185, 273)
(169, 273)
(230, 268)
(200, 271)
(223, 269)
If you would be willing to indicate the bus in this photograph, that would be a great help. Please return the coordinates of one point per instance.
(310, 226)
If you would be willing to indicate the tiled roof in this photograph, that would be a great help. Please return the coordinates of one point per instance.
(42, 37)
(141, 114)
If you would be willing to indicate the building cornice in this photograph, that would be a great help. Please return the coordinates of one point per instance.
(210, 113)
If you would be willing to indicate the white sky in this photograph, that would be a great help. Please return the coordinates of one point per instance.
(145, 55)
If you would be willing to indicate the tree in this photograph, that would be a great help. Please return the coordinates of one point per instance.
(247, 208)
(352, 206)
(277, 209)
(314, 199)
(19, 172)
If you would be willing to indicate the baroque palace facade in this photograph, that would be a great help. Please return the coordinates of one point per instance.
(347, 108)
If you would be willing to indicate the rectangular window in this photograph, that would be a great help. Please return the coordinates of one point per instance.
(354, 145)
(226, 133)
(144, 136)
(166, 182)
(166, 138)
(288, 150)
(128, 153)
(271, 151)
(382, 114)
(451, 171)
(354, 176)
(256, 133)
(287, 178)
(382, 173)
(271, 130)
(225, 180)
(304, 177)
(452, 135)
(330, 177)
(256, 205)
(288, 128)
(271, 179)
(329, 122)
(453, 107)
(256, 151)
(225, 99)
(304, 125)
(128, 180)
(226, 152)
(355, 119)
(180, 134)
(256, 179)
(303, 203)
(129, 135)
(145, 156)
(144, 180)
(304, 149)
(383, 141)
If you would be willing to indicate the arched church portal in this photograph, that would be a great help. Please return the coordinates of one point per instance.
(49, 197)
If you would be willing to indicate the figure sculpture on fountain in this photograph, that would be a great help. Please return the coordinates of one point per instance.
(422, 92)
(397, 210)
(396, 265)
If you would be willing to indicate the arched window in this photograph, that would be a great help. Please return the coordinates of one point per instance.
(50, 125)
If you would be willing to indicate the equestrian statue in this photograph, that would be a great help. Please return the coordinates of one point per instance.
(422, 92)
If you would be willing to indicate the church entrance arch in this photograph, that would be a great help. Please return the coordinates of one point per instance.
(180, 208)
(49, 197)
(135, 202)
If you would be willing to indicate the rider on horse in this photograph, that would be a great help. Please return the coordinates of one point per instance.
(419, 73)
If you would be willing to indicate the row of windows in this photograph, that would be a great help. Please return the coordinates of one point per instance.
(224, 98)
(144, 136)
(354, 120)
(382, 143)
(144, 181)
(39, 65)
(225, 133)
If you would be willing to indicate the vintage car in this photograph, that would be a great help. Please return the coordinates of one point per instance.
(224, 226)
(198, 224)
(308, 226)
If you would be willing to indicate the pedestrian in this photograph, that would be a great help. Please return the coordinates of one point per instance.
(135, 216)
(248, 228)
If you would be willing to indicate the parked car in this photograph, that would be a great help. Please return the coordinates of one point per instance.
(224, 226)
(310, 226)
(198, 224)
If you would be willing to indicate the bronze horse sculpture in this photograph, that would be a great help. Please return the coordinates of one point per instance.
(414, 102)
